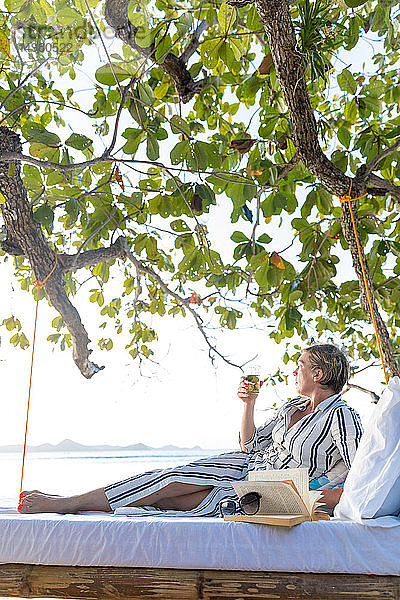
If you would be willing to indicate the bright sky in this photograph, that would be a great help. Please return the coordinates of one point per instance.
(184, 400)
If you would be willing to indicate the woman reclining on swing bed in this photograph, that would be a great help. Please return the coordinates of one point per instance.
(317, 431)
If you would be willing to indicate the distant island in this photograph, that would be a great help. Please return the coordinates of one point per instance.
(71, 446)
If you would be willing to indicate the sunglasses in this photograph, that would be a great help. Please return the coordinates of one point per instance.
(249, 504)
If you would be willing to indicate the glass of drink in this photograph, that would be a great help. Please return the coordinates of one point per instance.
(252, 379)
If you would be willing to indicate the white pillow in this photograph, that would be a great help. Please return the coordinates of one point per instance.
(372, 487)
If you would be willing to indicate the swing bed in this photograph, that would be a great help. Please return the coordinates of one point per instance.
(98, 556)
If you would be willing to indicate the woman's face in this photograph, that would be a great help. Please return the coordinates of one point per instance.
(304, 374)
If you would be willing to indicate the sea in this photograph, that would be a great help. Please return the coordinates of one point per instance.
(68, 473)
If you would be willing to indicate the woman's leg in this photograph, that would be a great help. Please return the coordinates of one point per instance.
(210, 472)
(148, 489)
(174, 496)
(184, 502)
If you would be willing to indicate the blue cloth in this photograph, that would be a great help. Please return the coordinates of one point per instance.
(315, 484)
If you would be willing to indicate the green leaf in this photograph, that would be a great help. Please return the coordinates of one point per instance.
(292, 318)
(347, 82)
(146, 93)
(261, 274)
(179, 225)
(68, 16)
(4, 43)
(227, 56)
(138, 112)
(78, 141)
(111, 75)
(201, 155)
(209, 52)
(350, 111)
(373, 103)
(344, 136)
(72, 209)
(134, 137)
(33, 178)
(197, 158)
(393, 133)
(205, 193)
(152, 148)
(45, 216)
(35, 132)
(235, 191)
(143, 36)
(226, 17)
(161, 134)
(179, 125)
(179, 152)
(238, 48)
(253, 19)
(184, 23)
(238, 236)
(264, 239)
(307, 207)
(163, 48)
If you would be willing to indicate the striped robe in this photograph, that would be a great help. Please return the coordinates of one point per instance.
(324, 441)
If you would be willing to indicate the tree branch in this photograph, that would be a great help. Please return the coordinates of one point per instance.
(116, 15)
(120, 249)
(381, 187)
(288, 167)
(25, 236)
(11, 157)
(366, 170)
(191, 48)
(240, 3)
(384, 284)
(375, 397)
(89, 258)
(257, 34)
(99, 228)
(24, 232)
(149, 271)
(291, 71)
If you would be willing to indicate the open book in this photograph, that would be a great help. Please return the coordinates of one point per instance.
(285, 497)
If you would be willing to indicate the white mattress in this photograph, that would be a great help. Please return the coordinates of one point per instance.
(97, 539)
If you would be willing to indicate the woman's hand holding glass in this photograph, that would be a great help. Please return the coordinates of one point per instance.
(248, 391)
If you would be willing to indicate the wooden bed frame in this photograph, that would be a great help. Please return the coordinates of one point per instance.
(103, 583)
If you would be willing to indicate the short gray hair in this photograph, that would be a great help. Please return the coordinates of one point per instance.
(333, 364)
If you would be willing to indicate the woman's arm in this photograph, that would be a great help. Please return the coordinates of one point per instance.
(253, 439)
(247, 426)
(346, 433)
(329, 498)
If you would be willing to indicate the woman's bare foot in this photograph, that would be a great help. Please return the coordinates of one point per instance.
(37, 502)
(29, 492)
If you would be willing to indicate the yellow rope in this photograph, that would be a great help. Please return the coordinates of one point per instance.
(347, 198)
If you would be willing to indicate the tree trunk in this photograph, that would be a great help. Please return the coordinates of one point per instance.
(290, 70)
